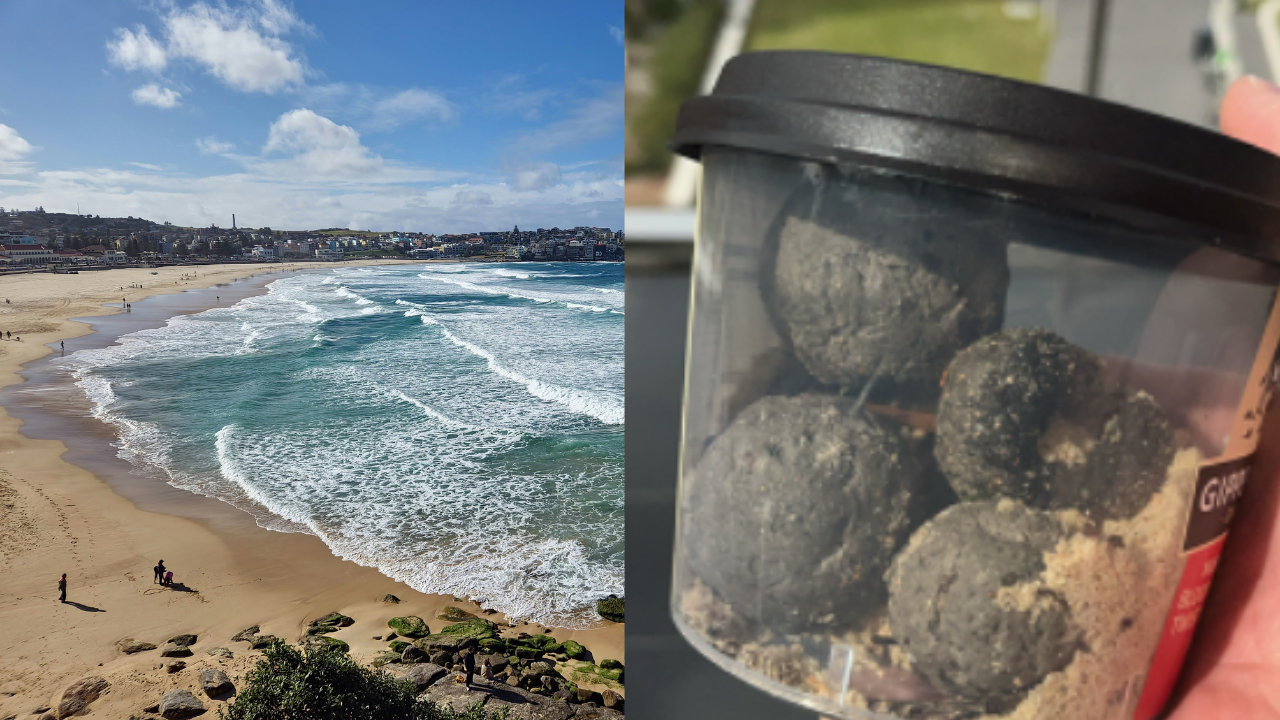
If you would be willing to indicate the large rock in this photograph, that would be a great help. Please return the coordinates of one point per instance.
(453, 614)
(524, 705)
(612, 608)
(611, 699)
(214, 682)
(258, 642)
(175, 650)
(76, 699)
(333, 618)
(129, 646)
(956, 608)
(220, 652)
(413, 654)
(184, 639)
(246, 635)
(586, 712)
(424, 675)
(795, 511)
(573, 650)
(409, 626)
(475, 627)
(180, 704)
(389, 598)
(454, 694)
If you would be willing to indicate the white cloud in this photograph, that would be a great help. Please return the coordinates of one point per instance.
(153, 94)
(213, 146)
(467, 198)
(145, 166)
(617, 34)
(510, 96)
(592, 119)
(229, 45)
(409, 105)
(136, 50)
(321, 146)
(317, 173)
(13, 148)
(535, 176)
(240, 46)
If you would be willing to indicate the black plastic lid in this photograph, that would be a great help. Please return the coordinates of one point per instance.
(1004, 136)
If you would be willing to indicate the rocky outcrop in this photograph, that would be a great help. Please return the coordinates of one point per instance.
(409, 626)
(129, 646)
(76, 699)
(186, 639)
(175, 667)
(612, 700)
(453, 614)
(389, 598)
(175, 650)
(258, 642)
(214, 682)
(246, 635)
(179, 705)
(612, 608)
(424, 675)
(412, 654)
(220, 652)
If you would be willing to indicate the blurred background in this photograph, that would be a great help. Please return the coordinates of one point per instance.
(1171, 57)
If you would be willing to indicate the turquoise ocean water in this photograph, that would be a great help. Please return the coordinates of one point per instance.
(457, 426)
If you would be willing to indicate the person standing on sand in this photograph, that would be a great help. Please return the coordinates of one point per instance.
(469, 664)
(62, 588)
(159, 568)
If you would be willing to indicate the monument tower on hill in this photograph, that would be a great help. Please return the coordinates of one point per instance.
(233, 221)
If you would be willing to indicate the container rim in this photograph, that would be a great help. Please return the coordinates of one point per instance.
(994, 134)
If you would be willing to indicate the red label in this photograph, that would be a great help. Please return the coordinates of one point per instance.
(1179, 628)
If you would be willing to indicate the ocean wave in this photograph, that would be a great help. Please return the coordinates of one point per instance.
(583, 403)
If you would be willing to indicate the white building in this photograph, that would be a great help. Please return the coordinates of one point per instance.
(325, 254)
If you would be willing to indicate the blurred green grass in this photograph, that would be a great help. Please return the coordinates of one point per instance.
(679, 56)
(972, 35)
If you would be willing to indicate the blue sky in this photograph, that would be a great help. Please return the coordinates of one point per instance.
(421, 116)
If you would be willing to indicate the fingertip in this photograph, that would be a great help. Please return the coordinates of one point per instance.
(1251, 112)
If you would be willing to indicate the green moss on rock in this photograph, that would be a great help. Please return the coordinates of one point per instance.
(409, 626)
(477, 628)
(612, 608)
(573, 649)
(454, 614)
(334, 643)
(398, 646)
(610, 664)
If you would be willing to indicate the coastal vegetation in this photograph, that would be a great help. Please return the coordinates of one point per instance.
(289, 683)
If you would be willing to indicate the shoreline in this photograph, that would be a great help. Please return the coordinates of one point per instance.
(75, 507)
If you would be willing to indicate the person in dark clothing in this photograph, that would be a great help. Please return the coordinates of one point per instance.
(159, 568)
(469, 663)
(62, 588)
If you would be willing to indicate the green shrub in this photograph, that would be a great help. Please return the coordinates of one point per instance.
(321, 684)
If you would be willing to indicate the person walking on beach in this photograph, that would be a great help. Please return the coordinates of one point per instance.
(62, 344)
(469, 664)
(159, 568)
(62, 588)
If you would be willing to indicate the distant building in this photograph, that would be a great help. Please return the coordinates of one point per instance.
(331, 255)
(28, 254)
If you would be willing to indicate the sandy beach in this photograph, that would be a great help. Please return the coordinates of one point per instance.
(58, 517)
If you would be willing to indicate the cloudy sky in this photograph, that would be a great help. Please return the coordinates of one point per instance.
(426, 116)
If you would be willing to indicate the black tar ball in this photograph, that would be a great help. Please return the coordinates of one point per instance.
(946, 608)
(1027, 415)
(795, 511)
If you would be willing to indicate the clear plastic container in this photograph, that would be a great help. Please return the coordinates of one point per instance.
(961, 438)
